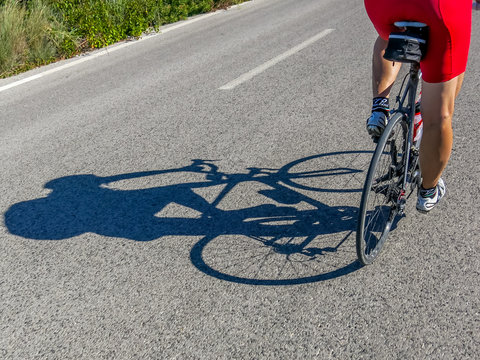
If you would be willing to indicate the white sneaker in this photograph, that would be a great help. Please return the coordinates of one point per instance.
(376, 123)
(428, 198)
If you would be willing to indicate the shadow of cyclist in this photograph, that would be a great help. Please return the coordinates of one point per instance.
(79, 204)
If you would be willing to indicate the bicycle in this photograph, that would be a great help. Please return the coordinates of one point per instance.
(393, 168)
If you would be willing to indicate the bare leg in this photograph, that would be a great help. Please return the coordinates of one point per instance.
(459, 84)
(438, 103)
(384, 72)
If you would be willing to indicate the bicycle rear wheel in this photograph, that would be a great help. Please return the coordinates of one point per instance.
(383, 186)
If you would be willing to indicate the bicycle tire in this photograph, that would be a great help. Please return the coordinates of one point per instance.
(381, 191)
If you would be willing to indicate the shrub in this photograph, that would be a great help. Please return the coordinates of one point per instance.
(104, 22)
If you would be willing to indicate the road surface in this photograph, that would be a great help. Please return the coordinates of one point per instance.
(194, 196)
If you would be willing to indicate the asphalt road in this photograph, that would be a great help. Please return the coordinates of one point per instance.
(194, 196)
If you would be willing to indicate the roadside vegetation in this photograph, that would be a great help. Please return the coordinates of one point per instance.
(37, 32)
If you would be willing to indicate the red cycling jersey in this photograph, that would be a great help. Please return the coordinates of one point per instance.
(450, 28)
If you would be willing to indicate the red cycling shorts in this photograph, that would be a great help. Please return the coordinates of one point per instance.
(450, 28)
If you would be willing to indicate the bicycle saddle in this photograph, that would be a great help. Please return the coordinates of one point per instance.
(408, 24)
(409, 44)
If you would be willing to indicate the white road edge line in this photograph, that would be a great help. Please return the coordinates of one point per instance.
(252, 73)
(113, 48)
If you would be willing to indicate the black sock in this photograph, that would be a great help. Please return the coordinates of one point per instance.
(381, 104)
(428, 192)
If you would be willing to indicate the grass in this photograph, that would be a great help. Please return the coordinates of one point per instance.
(13, 42)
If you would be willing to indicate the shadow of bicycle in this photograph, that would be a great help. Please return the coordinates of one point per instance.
(261, 227)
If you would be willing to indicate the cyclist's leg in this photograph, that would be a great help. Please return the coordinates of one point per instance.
(459, 84)
(438, 103)
(384, 72)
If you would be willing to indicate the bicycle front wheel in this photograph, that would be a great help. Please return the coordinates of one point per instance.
(383, 186)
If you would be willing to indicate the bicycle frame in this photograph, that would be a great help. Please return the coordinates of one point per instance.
(408, 111)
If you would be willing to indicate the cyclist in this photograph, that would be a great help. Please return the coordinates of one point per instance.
(443, 69)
